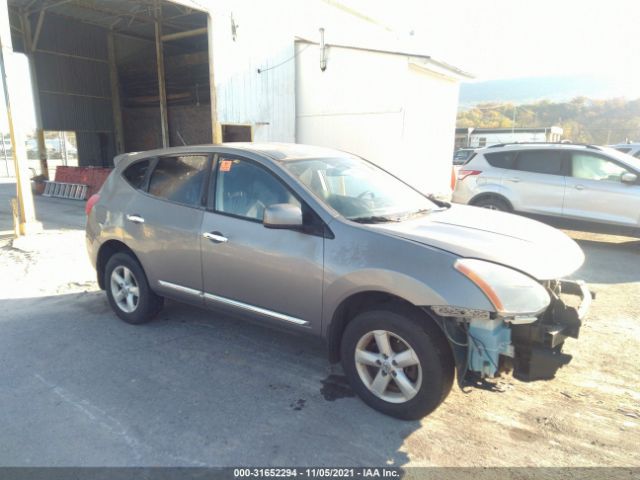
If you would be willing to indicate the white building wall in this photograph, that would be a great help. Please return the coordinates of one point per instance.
(371, 104)
(431, 102)
(265, 100)
(381, 106)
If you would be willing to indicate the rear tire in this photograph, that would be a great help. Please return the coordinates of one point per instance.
(407, 386)
(128, 290)
(493, 203)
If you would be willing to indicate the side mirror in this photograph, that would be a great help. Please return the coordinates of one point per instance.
(629, 177)
(282, 215)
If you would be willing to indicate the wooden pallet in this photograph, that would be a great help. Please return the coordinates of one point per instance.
(74, 191)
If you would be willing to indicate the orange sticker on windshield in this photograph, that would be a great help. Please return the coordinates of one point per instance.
(225, 165)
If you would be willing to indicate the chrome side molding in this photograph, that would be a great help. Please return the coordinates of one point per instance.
(233, 303)
(180, 288)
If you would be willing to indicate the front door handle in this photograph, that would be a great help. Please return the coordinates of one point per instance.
(579, 187)
(215, 237)
(135, 218)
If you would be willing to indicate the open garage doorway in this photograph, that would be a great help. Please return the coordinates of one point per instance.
(124, 75)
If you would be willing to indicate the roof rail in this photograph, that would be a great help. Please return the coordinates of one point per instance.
(586, 145)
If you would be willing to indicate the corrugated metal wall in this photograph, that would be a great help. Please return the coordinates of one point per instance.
(264, 100)
(73, 80)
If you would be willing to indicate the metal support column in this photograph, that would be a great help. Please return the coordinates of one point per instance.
(162, 91)
(115, 94)
(29, 45)
(27, 222)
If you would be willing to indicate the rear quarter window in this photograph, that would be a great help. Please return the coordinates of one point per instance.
(473, 154)
(135, 173)
(500, 159)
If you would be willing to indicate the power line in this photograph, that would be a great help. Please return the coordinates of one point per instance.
(261, 70)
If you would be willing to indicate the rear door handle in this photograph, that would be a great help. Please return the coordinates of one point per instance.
(215, 237)
(135, 218)
(579, 187)
(513, 179)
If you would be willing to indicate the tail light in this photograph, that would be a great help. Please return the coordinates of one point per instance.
(462, 174)
(93, 199)
(453, 178)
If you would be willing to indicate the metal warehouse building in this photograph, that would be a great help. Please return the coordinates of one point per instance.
(128, 75)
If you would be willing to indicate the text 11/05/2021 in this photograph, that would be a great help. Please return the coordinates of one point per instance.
(321, 472)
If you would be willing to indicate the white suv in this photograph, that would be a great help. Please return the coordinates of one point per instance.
(591, 187)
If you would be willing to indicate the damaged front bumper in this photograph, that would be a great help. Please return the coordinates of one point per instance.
(538, 346)
(531, 347)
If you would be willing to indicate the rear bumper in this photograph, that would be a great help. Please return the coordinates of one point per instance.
(538, 345)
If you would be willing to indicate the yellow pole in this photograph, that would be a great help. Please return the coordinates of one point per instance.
(26, 211)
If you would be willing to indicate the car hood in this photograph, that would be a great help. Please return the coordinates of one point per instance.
(543, 252)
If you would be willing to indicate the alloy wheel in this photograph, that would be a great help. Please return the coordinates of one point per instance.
(125, 289)
(388, 366)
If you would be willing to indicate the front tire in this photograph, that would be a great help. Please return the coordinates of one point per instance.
(128, 290)
(397, 361)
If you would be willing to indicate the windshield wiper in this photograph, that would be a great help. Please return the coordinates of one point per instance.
(440, 203)
(422, 211)
(374, 219)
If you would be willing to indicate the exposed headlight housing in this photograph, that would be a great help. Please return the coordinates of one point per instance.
(509, 291)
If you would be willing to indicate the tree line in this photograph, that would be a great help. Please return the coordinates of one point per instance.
(583, 120)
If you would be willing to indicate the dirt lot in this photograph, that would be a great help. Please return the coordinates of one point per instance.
(78, 387)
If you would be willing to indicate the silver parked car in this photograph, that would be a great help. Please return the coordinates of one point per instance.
(405, 289)
(585, 186)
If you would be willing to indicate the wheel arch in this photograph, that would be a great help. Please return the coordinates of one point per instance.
(106, 251)
(485, 195)
(366, 300)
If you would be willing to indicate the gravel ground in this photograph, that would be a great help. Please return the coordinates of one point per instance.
(79, 387)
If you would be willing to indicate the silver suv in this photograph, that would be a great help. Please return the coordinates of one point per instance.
(595, 188)
(404, 289)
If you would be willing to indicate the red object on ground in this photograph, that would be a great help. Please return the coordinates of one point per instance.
(93, 177)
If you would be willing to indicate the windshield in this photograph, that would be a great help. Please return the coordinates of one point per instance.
(631, 161)
(358, 190)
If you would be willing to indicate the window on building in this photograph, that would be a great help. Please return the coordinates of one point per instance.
(236, 133)
(61, 148)
(482, 142)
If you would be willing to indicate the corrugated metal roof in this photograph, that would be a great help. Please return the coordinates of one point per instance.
(125, 16)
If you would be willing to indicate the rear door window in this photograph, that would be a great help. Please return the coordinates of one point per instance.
(136, 173)
(550, 162)
(180, 179)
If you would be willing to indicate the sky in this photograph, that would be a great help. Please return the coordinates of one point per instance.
(517, 38)
(498, 39)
